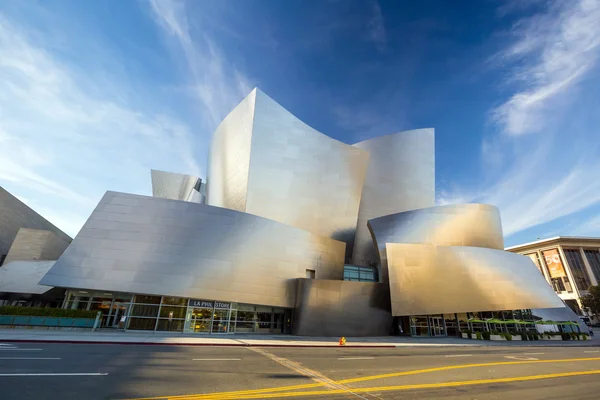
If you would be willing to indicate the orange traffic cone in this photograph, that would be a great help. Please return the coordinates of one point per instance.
(342, 341)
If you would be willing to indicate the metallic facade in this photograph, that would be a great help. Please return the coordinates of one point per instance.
(147, 245)
(169, 185)
(229, 157)
(36, 244)
(477, 225)
(14, 215)
(400, 177)
(342, 308)
(23, 277)
(266, 162)
(286, 203)
(431, 279)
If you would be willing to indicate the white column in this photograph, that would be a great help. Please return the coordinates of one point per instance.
(543, 266)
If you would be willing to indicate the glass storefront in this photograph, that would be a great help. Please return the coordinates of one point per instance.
(178, 314)
(112, 306)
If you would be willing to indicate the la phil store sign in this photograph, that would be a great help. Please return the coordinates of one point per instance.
(208, 304)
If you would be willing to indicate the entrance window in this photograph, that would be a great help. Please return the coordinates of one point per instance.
(419, 325)
(142, 324)
(451, 324)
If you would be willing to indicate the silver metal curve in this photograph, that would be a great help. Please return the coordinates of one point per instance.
(430, 279)
(342, 308)
(302, 178)
(148, 245)
(400, 177)
(169, 185)
(477, 225)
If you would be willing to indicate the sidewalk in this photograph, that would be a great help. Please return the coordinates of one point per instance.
(159, 338)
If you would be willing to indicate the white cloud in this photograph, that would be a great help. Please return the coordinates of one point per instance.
(557, 49)
(63, 142)
(543, 164)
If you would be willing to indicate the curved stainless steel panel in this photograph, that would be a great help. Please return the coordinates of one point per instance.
(229, 157)
(302, 178)
(148, 245)
(400, 177)
(476, 225)
(559, 314)
(342, 308)
(430, 279)
(266, 162)
(169, 185)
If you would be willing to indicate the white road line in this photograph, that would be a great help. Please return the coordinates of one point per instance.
(60, 374)
(592, 351)
(216, 359)
(356, 358)
(460, 355)
(521, 358)
(15, 349)
(532, 354)
(30, 358)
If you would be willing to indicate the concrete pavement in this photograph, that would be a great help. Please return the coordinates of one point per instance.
(160, 338)
(82, 371)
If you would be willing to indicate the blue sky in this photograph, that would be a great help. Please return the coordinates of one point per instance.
(94, 94)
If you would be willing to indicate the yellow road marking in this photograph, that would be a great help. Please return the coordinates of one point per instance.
(233, 394)
(416, 386)
(316, 376)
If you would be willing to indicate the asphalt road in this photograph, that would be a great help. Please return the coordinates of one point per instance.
(81, 371)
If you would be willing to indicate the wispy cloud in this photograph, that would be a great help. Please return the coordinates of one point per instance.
(217, 85)
(553, 52)
(63, 141)
(543, 163)
(376, 26)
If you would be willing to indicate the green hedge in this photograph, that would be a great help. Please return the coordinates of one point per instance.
(46, 312)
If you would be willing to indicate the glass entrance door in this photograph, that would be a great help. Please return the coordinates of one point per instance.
(436, 325)
(117, 312)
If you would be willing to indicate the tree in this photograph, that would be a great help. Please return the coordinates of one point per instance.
(591, 301)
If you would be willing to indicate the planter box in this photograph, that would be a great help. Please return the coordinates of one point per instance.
(27, 321)
(496, 337)
(464, 336)
(518, 337)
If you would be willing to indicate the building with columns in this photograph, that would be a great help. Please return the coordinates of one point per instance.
(569, 264)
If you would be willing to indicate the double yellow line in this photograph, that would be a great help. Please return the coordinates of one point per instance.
(286, 391)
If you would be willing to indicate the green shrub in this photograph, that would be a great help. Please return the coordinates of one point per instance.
(506, 336)
(574, 336)
(46, 312)
(486, 335)
(565, 336)
(478, 335)
(524, 336)
(584, 336)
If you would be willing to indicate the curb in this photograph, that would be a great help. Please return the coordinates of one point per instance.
(388, 346)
